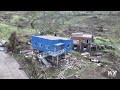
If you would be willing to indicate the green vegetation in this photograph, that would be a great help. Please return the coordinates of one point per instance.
(101, 41)
(6, 30)
(75, 53)
(16, 18)
(27, 23)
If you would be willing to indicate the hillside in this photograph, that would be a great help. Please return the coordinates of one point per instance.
(64, 23)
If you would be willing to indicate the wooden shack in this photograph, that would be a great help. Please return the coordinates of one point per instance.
(82, 41)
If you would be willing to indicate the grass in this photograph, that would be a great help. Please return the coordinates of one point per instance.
(6, 30)
(101, 41)
(75, 53)
(16, 18)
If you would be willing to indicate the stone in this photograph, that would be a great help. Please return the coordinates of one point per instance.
(99, 64)
(2, 48)
(3, 41)
(85, 54)
(1, 45)
(95, 60)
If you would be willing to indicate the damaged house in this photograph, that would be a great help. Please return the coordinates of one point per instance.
(52, 46)
(82, 41)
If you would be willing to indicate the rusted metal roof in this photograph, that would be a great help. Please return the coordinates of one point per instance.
(82, 35)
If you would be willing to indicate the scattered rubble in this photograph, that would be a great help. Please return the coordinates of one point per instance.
(73, 77)
(95, 60)
(99, 64)
(86, 54)
(3, 41)
(96, 54)
(2, 45)
(27, 53)
(109, 47)
(2, 48)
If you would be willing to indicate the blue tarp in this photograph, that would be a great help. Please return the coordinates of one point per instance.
(59, 44)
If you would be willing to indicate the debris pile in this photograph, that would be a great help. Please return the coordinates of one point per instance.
(2, 44)
(93, 57)
(86, 54)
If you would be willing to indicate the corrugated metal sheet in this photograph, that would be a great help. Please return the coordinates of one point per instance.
(52, 43)
(81, 34)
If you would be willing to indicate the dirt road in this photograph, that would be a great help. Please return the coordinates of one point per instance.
(9, 68)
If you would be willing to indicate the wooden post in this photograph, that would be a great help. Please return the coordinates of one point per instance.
(52, 58)
(96, 47)
(90, 47)
(65, 55)
(57, 59)
(80, 48)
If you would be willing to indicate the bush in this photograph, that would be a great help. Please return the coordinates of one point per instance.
(75, 53)
(18, 49)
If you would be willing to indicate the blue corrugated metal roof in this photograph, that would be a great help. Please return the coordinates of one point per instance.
(58, 44)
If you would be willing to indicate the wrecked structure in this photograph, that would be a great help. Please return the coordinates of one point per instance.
(82, 41)
(51, 46)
